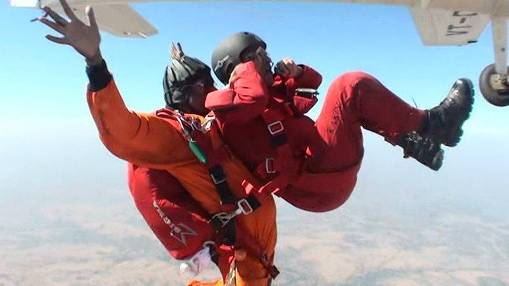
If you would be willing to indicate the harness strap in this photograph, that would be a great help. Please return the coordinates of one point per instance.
(273, 117)
(245, 206)
(271, 268)
(218, 177)
(224, 221)
(278, 171)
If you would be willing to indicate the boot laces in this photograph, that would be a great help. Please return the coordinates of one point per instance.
(424, 149)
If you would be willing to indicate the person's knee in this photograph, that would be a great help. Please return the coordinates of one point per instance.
(352, 79)
(347, 87)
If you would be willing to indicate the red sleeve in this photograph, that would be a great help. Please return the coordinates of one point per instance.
(244, 99)
(308, 79)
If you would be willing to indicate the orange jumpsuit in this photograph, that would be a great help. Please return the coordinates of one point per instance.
(153, 142)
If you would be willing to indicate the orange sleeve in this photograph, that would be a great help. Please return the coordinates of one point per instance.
(143, 139)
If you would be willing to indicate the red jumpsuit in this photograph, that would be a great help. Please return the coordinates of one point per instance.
(329, 150)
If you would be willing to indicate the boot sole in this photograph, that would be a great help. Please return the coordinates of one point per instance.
(455, 137)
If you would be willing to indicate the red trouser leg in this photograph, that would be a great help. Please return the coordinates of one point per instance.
(354, 100)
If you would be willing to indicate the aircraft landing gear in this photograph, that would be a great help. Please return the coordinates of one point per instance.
(494, 86)
(494, 79)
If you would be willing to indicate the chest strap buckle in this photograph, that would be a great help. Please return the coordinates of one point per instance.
(269, 166)
(275, 127)
(217, 175)
(244, 207)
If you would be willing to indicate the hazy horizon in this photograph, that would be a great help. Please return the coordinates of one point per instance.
(73, 222)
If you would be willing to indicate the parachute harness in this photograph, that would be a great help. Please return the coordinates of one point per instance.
(223, 222)
(186, 126)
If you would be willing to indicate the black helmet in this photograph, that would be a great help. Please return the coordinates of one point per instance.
(181, 74)
(227, 54)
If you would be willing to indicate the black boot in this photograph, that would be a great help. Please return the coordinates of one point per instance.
(444, 122)
(423, 149)
(441, 126)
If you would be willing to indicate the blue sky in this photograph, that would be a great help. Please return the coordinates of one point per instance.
(44, 84)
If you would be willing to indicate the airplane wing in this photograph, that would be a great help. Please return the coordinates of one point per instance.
(445, 22)
(118, 19)
(448, 27)
(439, 22)
(122, 20)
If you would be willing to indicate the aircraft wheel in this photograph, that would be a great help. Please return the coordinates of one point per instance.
(496, 93)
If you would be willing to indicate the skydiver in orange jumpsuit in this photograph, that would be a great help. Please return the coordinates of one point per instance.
(164, 141)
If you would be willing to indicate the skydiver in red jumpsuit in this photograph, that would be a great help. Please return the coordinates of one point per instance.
(314, 164)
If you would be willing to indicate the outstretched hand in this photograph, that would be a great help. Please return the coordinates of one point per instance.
(85, 39)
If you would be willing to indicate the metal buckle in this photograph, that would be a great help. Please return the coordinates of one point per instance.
(275, 127)
(224, 218)
(306, 92)
(244, 207)
(269, 166)
(217, 181)
(207, 123)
